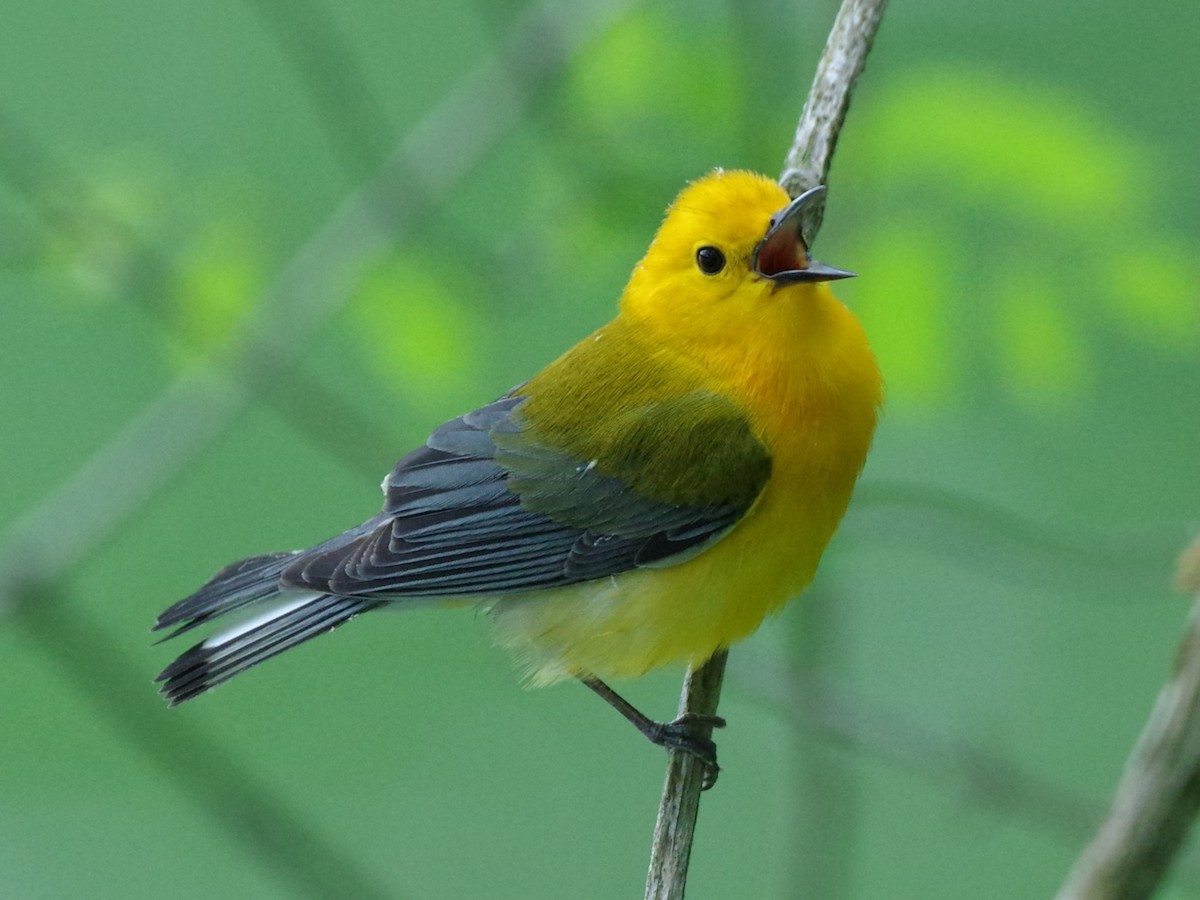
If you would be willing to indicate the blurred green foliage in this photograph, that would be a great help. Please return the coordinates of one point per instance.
(220, 277)
(956, 143)
(947, 712)
(425, 345)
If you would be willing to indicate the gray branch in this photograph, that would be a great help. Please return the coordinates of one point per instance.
(806, 165)
(845, 56)
(1159, 795)
(672, 847)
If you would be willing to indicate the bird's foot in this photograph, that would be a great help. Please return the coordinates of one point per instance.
(690, 734)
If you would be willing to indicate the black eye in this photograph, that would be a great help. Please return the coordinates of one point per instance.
(710, 260)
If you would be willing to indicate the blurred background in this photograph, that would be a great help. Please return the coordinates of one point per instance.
(251, 251)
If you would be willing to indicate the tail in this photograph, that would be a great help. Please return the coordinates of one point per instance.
(288, 617)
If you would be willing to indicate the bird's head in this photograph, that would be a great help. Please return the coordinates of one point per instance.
(731, 254)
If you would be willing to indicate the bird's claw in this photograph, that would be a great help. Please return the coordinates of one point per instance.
(690, 734)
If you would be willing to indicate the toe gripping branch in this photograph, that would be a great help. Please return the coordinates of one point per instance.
(690, 733)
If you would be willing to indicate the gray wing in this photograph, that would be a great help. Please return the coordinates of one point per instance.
(463, 517)
(453, 524)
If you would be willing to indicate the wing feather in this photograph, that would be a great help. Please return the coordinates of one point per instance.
(488, 507)
(485, 507)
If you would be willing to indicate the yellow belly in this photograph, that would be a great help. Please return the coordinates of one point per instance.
(813, 404)
(639, 620)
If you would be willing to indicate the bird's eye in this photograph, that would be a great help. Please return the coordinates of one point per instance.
(710, 260)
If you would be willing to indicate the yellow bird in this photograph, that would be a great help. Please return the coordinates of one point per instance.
(648, 498)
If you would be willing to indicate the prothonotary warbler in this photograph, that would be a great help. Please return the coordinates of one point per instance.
(645, 499)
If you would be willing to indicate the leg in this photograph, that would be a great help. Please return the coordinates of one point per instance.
(688, 734)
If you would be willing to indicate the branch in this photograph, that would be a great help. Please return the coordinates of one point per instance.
(806, 165)
(672, 846)
(843, 60)
(326, 66)
(1159, 795)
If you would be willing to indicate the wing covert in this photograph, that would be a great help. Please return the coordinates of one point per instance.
(487, 507)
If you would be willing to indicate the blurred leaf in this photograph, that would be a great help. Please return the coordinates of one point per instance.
(640, 83)
(220, 276)
(1045, 360)
(1025, 149)
(611, 80)
(1156, 291)
(96, 251)
(194, 260)
(905, 310)
(419, 332)
(1068, 232)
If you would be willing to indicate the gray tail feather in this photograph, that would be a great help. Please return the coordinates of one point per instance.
(237, 648)
(234, 587)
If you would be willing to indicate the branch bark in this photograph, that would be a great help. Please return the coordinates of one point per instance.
(1159, 795)
(842, 61)
(672, 847)
(806, 165)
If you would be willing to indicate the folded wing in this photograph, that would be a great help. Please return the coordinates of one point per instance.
(487, 507)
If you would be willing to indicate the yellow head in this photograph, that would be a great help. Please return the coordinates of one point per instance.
(726, 302)
(729, 266)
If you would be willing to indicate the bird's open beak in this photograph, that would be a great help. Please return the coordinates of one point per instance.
(782, 255)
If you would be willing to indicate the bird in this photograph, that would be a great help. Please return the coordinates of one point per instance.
(646, 499)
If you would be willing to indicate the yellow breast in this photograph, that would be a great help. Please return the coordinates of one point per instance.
(811, 392)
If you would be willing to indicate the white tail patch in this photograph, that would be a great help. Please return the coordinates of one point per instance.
(280, 608)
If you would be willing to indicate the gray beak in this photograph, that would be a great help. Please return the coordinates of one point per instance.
(782, 254)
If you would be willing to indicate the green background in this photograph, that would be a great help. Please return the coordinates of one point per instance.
(944, 715)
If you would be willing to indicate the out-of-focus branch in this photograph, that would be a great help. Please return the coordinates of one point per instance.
(1159, 795)
(39, 550)
(1016, 548)
(854, 726)
(325, 64)
(318, 281)
(806, 164)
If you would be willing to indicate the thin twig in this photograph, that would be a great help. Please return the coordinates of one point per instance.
(676, 825)
(807, 164)
(1159, 795)
(845, 56)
